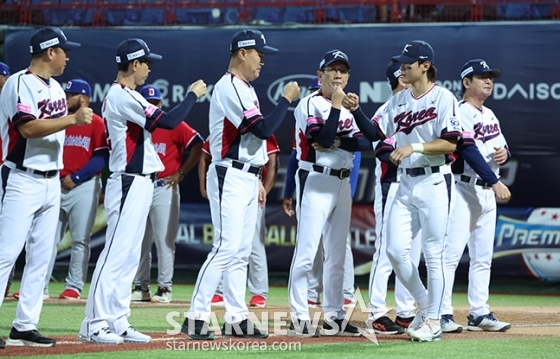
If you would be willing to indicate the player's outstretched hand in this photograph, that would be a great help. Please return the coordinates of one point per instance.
(83, 116)
(291, 91)
(400, 154)
(501, 155)
(351, 101)
(287, 206)
(337, 97)
(199, 88)
(501, 191)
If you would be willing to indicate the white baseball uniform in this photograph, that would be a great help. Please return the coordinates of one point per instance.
(324, 206)
(386, 186)
(474, 217)
(129, 118)
(232, 186)
(30, 188)
(424, 198)
(257, 273)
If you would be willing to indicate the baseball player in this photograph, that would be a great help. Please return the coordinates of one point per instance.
(316, 273)
(257, 273)
(163, 217)
(386, 186)
(422, 121)
(134, 163)
(84, 154)
(474, 218)
(237, 145)
(32, 123)
(326, 139)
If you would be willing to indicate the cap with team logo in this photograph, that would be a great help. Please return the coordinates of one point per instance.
(417, 50)
(334, 55)
(50, 37)
(315, 83)
(151, 92)
(78, 86)
(479, 67)
(4, 69)
(393, 72)
(251, 39)
(133, 49)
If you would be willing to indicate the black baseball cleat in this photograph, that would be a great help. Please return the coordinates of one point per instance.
(245, 329)
(2, 344)
(197, 330)
(31, 338)
(303, 328)
(340, 327)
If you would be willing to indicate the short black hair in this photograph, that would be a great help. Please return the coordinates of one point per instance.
(123, 66)
(463, 88)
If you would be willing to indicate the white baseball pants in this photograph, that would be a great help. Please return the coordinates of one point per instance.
(28, 217)
(233, 204)
(474, 222)
(422, 202)
(127, 201)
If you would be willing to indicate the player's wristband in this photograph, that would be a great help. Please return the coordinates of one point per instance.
(417, 147)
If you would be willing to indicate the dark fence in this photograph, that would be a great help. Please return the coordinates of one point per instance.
(263, 12)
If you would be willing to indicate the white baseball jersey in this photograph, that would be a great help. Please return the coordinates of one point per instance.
(311, 113)
(484, 127)
(234, 109)
(129, 119)
(27, 97)
(422, 119)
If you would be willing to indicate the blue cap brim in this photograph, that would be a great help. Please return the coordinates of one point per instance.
(269, 50)
(495, 73)
(70, 45)
(403, 59)
(153, 57)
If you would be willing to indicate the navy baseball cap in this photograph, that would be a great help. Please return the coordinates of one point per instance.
(478, 67)
(315, 83)
(151, 92)
(417, 50)
(50, 37)
(251, 39)
(4, 69)
(393, 72)
(331, 56)
(133, 49)
(78, 86)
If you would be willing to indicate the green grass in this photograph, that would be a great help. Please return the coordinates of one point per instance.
(65, 319)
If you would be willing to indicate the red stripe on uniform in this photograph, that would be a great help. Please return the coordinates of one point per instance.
(229, 134)
(133, 133)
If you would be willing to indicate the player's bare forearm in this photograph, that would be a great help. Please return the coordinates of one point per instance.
(271, 172)
(192, 159)
(203, 165)
(440, 146)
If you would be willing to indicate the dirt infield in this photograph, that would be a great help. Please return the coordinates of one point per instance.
(526, 321)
